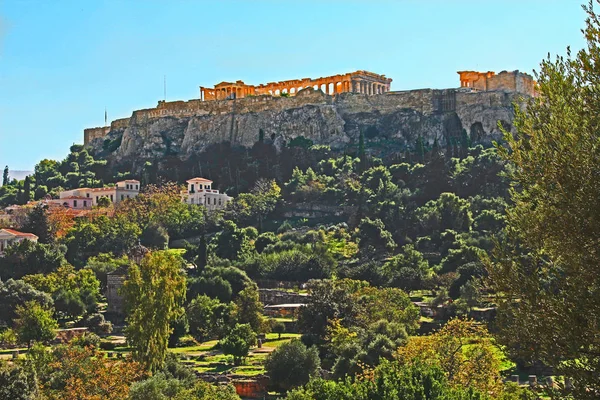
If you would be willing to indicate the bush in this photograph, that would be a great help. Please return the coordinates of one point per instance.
(88, 339)
(238, 342)
(292, 364)
(155, 236)
(284, 227)
(96, 324)
(107, 345)
(186, 341)
(8, 338)
(277, 327)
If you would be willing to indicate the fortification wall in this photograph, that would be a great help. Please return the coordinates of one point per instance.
(251, 104)
(90, 134)
(119, 123)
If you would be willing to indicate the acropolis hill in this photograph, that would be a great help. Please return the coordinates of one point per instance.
(331, 110)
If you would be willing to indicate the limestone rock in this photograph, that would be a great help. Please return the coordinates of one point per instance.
(395, 119)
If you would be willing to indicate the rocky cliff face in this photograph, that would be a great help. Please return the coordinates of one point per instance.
(394, 119)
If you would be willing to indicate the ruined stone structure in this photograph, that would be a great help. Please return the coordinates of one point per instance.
(355, 82)
(510, 81)
(392, 120)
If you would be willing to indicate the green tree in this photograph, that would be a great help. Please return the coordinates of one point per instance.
(104, 201)
(34, 323)
(249, 308)
(154, 292)
(231, 243)
(5, 175)
(361, 152)
(14, 293)
(238, 342)
(547, 269)
(27, 190)
(292, 364)
(209, 318)
(329, 300)
(278, 327)
(155, 236)
(28, 257)
(162, 387)
(407, 270)
(38, 224)
(373, 237)
(16, 383)
(390, 380)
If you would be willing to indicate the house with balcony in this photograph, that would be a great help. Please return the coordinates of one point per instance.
(86, 198)
(200, 192)
(8, 237)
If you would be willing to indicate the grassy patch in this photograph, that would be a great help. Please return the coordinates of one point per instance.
(10, 351)
(206, 346)
(275, 336)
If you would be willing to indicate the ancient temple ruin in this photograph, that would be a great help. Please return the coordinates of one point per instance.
(508, 81)
(355, 82)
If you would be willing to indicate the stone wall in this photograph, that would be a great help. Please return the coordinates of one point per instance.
(119, 123)
(94, 133)
(274, 297)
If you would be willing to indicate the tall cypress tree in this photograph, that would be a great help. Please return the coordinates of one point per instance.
(27, 190)
(5, 176)
(420, 149)
(361, 151)
(202, 253)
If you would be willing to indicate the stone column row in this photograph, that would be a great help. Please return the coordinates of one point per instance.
(367, 87)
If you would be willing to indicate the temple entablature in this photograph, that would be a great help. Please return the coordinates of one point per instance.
(354, 82)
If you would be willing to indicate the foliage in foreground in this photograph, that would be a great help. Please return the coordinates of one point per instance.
(547, 270)
(154, 292)
(392, 380)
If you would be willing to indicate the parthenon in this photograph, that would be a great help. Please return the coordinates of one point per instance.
(355, 82)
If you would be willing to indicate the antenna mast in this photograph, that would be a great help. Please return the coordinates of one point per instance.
(105, 117)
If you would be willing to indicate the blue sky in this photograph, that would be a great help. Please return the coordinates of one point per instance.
(63, 62)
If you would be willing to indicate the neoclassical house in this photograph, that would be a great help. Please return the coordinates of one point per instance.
(85, 198)
(200, 192)
(8, 237)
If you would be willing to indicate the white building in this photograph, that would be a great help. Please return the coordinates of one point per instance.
(85, 198)
(200, 192)
(8, 237)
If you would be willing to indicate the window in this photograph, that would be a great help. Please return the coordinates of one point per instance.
(122, 197)
(192, 188)
(192, 200)
(136, 187)
(85, 203)
(219, 201)
(127, 196)
(111, 198)
(96, 199)
(74, 203)
(87, 195)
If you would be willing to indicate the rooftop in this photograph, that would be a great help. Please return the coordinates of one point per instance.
(199, 180)
(17, 233)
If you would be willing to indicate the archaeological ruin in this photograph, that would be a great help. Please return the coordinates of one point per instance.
(510, 81)
(330, 111)
(355, 82)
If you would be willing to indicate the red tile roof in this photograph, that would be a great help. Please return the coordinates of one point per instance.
(199, 180)
(17, 233)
